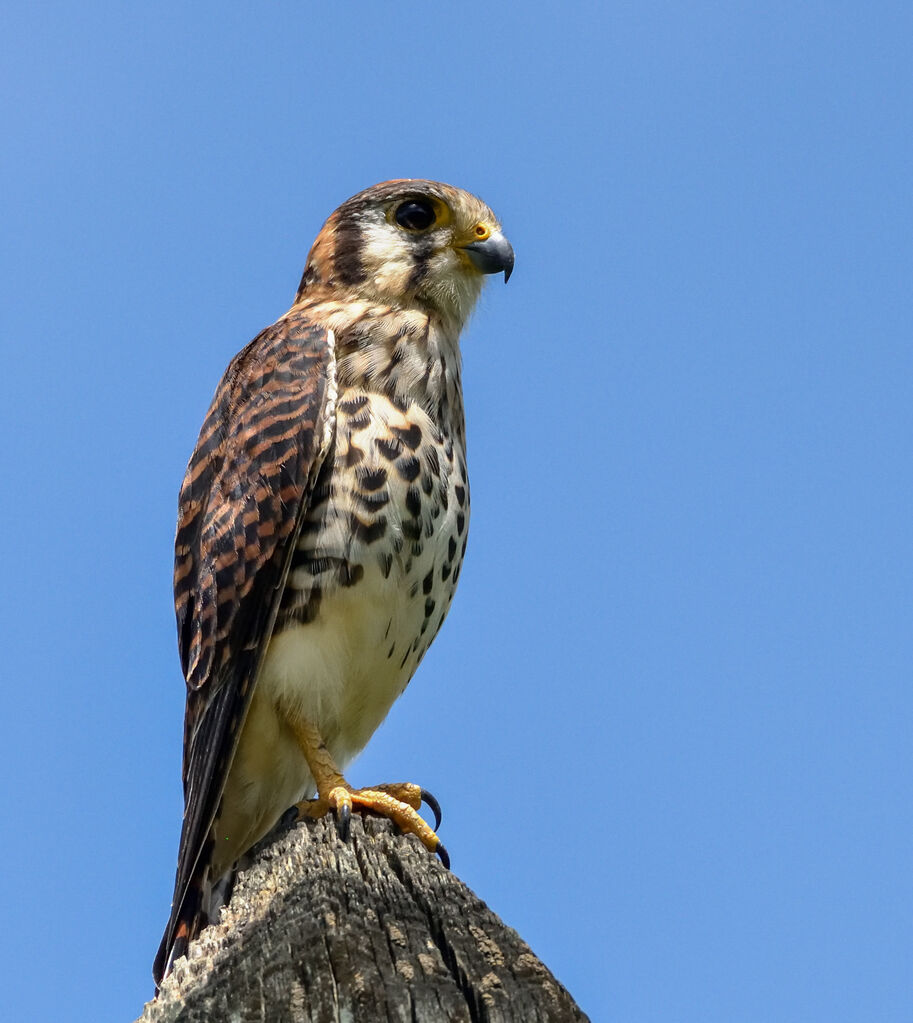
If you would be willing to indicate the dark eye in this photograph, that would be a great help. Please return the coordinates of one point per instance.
(415, 215)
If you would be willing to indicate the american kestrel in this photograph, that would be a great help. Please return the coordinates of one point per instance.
(321, 527)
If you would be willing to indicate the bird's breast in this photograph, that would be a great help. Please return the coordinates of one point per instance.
(375, 568)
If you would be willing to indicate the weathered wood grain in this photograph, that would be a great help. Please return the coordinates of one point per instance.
(372, 929)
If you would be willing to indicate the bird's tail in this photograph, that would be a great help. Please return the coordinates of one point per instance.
(184, 925)
(199, 907)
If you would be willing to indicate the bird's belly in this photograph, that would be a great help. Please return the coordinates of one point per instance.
(342, 671)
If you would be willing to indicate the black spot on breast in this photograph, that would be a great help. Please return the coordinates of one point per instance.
(428, 582)
(408, 468)
(300, 559)
(451, 548)
(412, 529)
(386, 563)
(352, 405)
(434, 463)
(371, 479)
(368, 532)
(360, 421)
(354, 455)
(350, 574)
(373, 501)
(411, 437)
(315, 566)
(413, 590)
(413, 502)
(390, 651)
(445, 571)
(390, 448)
(429, 607)
(460, 494)
(311, 525)
(427, 484)
(461, 523)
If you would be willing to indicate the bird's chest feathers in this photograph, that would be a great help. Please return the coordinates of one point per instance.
(375, 568)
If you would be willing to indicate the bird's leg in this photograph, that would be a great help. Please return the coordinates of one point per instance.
(400, 802)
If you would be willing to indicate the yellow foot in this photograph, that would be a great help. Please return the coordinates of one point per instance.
(399, 802)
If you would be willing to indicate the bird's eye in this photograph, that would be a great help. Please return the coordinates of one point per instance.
(415, 215)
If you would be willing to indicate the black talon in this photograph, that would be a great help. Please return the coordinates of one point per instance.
(444, 855)
(343, 819)
(434, 806)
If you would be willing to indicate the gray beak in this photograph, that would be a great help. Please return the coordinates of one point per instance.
(493, 255)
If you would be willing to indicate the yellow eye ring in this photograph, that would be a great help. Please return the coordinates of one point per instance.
(482, 232)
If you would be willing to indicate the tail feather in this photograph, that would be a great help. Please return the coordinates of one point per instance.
(200, 906)
(185, 924)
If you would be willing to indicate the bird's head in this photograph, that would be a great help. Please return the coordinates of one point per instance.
(410, 243)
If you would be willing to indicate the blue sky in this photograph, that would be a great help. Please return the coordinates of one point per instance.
(669, 716)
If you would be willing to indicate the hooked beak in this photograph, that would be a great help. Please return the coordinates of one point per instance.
(492, 255)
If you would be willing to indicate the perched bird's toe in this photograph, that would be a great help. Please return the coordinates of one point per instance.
(399, 803)
(414, 796)
(340, 800)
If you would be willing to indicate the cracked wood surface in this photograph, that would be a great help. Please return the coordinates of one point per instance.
(372, 929)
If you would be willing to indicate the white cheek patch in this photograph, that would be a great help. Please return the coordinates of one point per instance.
(386, 257)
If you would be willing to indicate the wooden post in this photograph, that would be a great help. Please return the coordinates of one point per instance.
(367, 930)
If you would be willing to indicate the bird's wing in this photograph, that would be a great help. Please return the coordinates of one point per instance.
(246, 490)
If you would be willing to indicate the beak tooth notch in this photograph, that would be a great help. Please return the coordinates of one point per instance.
(492, 254)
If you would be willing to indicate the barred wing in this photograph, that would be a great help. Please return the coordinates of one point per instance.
(246, 490)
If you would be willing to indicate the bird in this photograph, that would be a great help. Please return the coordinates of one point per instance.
(322, 524)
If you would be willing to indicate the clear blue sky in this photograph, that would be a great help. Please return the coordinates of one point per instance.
(669, 716)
